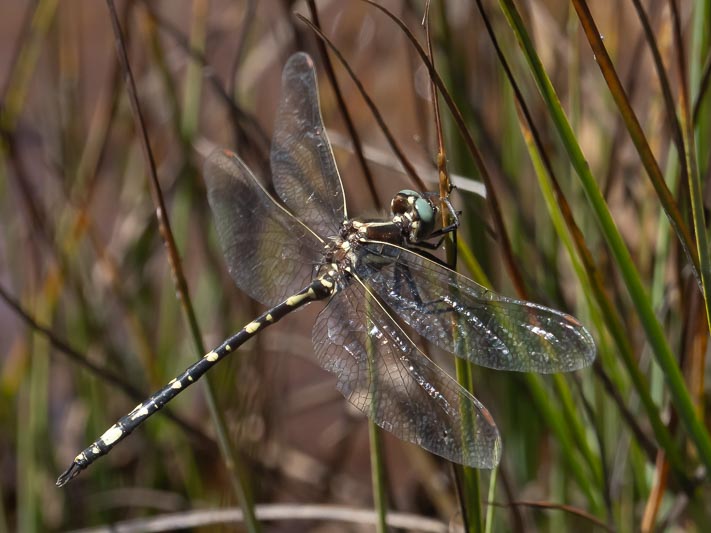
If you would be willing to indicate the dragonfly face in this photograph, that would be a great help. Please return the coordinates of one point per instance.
(416, 213)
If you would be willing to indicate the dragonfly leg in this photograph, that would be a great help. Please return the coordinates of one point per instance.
(441, 232)
(402, 278)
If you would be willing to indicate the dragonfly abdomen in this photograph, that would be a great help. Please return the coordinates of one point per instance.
(319, 289)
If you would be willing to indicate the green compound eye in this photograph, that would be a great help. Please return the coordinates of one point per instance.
(417, 210)
(424, 211)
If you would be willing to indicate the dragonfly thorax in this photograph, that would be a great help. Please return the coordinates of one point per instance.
(414, 218)
(340, 252)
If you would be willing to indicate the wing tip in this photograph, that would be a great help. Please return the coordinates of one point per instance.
(298, 58)
(222, 162)
(219, 153)
(589, 351)
(484, 461)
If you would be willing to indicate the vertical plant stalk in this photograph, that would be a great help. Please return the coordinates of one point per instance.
(378, 475)
(589, 274)
(490, 499)
(682, 130)
(16, 91)
(568, 408)
(249, 13)
(35, 403)
(559, 207)
(695, 188)
(492, 199)
(352, 132)
(470, 493)
(193, 76)
(377, 464)
(699, 73)
(235, 471)
(617, 91)
(654, 501)
(404, 161)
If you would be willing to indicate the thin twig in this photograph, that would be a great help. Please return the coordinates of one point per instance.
(409, 169)
(181, 286)
(275, 512)
(249, 13)
(558, 507)
(703, 87)
(492, 198)
(352, 132)
(240, 118)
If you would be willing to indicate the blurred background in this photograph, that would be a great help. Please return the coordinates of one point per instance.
(575, 217)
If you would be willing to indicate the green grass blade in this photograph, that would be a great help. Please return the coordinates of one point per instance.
(541, 397)
(630, 275)
(19, 80)
(634, 128)
(377, 464)
(194, 75)
(471, 490)
(490, 498)
(588, 273)
(695, 186)
(377, 474)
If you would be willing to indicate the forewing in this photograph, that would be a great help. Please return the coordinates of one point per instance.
(398, 387)
(303, 167)
(269, 253)
(470, 321)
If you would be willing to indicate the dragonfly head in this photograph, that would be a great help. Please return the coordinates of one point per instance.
(416, 213)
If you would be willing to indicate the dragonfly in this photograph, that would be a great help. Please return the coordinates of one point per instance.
(301, 247)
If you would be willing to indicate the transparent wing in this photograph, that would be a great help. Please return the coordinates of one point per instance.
(303, 167)
(470, 321)
(399, 388)
(269, 253)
